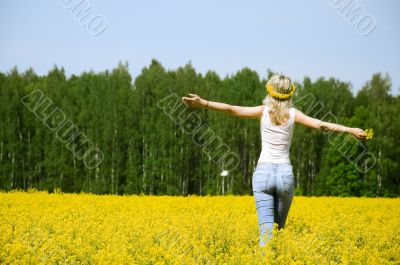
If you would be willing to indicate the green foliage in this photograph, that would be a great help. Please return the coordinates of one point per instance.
(146, 151)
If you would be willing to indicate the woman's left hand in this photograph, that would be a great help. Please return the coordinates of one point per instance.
(359, 133)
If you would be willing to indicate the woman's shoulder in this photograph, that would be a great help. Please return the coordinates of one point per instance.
(293, 111)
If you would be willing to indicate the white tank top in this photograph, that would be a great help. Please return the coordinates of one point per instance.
(275, 139)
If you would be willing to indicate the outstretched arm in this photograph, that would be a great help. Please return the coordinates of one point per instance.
(243, 112)
(301, 118)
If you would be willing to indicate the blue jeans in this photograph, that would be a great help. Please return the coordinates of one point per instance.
(273, 188)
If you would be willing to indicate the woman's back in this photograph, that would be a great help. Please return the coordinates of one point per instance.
(275, 139)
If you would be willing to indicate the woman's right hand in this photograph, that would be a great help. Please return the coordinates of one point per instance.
(359, 133)
(194, 101)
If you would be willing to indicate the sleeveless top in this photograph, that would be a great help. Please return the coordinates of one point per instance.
(276, 139)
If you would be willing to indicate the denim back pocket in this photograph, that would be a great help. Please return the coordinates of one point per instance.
(288, 183)
(260, 179)
(287, 179)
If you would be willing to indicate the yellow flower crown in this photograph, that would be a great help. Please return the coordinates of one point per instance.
(278, 95)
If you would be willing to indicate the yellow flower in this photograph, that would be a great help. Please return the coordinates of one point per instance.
(41, 228)
(370, 133)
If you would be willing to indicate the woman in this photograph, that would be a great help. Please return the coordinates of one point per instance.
(273, 180)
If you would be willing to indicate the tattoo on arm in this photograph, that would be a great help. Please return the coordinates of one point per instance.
(324, 128)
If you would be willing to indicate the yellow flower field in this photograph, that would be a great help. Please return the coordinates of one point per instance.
(41, 228)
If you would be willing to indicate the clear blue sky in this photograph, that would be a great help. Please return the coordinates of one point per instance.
(297, 38)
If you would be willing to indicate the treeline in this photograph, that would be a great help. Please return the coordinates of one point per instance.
(106, 133)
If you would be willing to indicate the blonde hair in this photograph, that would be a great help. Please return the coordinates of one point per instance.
(279, 108)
